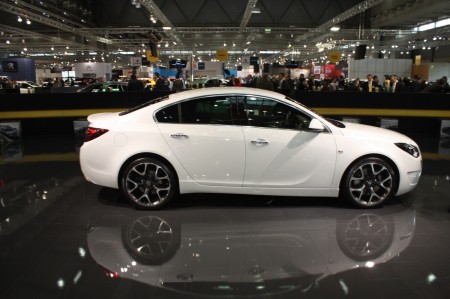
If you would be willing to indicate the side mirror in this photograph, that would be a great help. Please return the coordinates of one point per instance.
(316, 126)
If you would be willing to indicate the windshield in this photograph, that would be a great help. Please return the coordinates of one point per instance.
(146, 104)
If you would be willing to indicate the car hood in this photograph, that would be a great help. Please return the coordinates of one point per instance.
(358, 130)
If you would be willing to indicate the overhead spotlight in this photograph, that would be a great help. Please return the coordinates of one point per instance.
(53, 49)
(248, 43)
(19, 19)
(224, 44)
(335, 28)
(8, 42)
(28, 22)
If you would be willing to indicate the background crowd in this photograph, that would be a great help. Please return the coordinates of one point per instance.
(389, 83)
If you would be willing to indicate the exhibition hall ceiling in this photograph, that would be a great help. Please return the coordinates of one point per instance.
(68, 31)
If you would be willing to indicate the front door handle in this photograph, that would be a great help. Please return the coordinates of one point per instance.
(179, 136)
(259, 142)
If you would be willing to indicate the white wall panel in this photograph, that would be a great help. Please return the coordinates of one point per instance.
(379, 67)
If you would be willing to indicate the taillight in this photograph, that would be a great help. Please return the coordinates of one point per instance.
(92, 133)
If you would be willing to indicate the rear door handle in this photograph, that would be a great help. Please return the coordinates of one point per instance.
(259, 142)
(179, 136)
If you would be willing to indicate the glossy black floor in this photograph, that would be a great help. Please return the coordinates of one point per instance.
(61, 237)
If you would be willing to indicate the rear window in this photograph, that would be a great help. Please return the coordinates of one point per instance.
(146, 104)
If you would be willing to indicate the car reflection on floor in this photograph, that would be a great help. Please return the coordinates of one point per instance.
(234, 254)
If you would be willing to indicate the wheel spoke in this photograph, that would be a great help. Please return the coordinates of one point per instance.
(148, 184)
(370, 183)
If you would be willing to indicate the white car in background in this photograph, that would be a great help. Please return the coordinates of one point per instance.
(244, 141)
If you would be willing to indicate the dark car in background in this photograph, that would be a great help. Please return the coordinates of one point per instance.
(110, 86)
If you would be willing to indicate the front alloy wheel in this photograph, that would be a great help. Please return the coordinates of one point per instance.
(370, 182)
(148, 183)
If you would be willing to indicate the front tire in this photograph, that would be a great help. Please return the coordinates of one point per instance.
(369, 183)
(148, 183)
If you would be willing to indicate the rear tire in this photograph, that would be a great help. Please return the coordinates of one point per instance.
(148, 183)
(369, 183)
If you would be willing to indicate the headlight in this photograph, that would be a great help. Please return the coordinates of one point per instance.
(410, 149)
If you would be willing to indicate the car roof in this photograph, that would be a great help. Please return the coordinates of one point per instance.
(225, 91)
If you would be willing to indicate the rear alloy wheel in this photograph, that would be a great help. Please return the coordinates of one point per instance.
(369, 183)
(148, 183)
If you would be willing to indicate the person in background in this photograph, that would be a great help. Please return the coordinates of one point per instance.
(376, 84)
(250, 81)
(281, 81)
(368, 86)
(326, 85)
(237, 82)
(418, 84)
(445, 85)
(436, 87)
(159, 82)
(134, 84)
(231, 81)
(178, 84)
(58, 82)
(265, 83)
(311, 83)
(355, 86)
(301, 83)
(334, 83)
(395, 85)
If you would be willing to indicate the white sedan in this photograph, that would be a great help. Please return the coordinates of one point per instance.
(244, 141)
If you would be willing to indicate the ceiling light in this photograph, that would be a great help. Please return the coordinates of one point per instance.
(28, 22)
(256, 10)
(8, 42)
(167, 28)
(335, 28)
(19, 19)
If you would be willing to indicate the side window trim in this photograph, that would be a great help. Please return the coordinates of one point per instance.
(273, 121)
